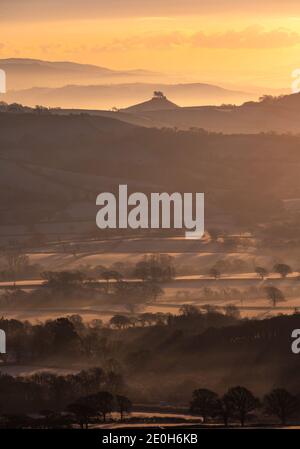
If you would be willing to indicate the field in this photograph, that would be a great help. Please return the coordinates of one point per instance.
(192, 260)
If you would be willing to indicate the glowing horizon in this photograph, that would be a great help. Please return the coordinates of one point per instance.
(222, 46)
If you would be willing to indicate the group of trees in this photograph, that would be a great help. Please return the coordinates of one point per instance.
(219, 292)
(65, 282)
(99, 404)
(273, 294)
(239, 403)
(192, 343)
(228, 243)
(16, 265)
(74, 286)
(71, 338)
(280, 268)
(189, 314)
(232, 265)
(17, 108)
(219, 268)
(135, 294)
(78, 285)
(61, 400)
(156, 268)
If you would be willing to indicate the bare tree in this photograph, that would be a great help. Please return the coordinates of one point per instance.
(280, 403)
(124, 405)
(242, 402)
(16, 263)
(204, 403)
(261, 272)
(224, 409)
(83, 413)
(274, 294)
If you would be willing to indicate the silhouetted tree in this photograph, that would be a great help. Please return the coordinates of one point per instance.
(141, 270)
(232, 311)
(82, 411)
(110, 274)
(189, 310)
(261, 272)
(280, 403)
(158, 94)
(282, 269)
(156, 268)
(102, 402)
(64, 282)
(274, 294)
(224, 409)
(241, 401)
(16, 263)
(124, 405)
(120, 321)
(204, 403)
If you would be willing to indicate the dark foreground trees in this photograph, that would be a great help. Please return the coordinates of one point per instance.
(124, 405)
(204, 403)
(60, 401)
(280, 403)
(224, 410)
(241, 402)
(82, 412)
(237, 403)
(47, 391)
(98, 404)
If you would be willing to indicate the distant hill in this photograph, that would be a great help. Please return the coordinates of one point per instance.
(156, 103)
(272, 114)
(123, 95)
(26, 73)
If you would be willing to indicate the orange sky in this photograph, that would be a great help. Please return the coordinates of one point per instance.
(214, 42)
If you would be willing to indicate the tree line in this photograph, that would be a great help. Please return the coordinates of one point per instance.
(61, 400)
(239, 403)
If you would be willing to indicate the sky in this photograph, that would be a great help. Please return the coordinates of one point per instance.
(231, 42)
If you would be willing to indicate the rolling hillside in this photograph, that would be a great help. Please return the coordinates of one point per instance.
(278, 114)
(25, 73)
(50, 163)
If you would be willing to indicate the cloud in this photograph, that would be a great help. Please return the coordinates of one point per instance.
(160, 41)
(70, 9)
(252, 37)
